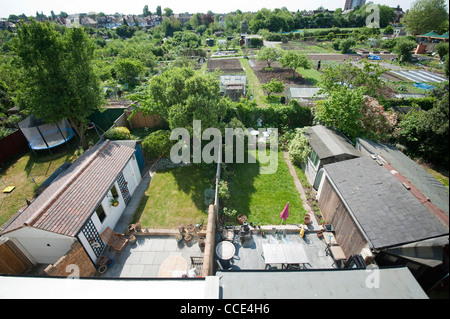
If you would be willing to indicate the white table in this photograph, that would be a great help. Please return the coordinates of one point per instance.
(225, 250)
(285, 254)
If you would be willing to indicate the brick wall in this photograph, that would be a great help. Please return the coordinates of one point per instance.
(76, 263)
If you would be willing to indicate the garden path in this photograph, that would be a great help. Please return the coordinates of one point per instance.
(298, 185)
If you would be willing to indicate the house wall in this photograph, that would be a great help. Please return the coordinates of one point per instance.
(42, 246)
(132, 176)
(333, 210)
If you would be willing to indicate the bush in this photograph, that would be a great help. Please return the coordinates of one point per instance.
(157, 143)
(299, 148)
(118, 133)
(442, 49)
(346, 44)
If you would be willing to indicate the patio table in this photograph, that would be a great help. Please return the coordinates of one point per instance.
(284, 254)
(225, 250)
(173, 266)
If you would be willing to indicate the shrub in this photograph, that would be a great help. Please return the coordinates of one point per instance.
(299, 148)
(347, 44)
(442, 49)
(157, 143)
(118, 133)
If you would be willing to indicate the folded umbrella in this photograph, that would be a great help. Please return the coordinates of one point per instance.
(285, 213)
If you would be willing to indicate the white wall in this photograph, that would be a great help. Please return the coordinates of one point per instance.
(43, 246)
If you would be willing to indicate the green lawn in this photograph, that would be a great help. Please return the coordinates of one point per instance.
(175, 196)
(253, 83)
(262, 197)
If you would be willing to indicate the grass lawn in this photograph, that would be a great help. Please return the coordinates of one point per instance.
(175, 196)
(262, 197)
(253, 83)
(23, 171)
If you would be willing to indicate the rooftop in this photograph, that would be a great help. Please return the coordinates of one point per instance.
(386, 211)
(64, 206)
(327, 142)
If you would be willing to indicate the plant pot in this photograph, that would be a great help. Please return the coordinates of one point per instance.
(102, 269)
(307, 220)
(181, 228)
(179, 238)
(190, 228)
(241, 219)
(320, 233)
(201, 241)
(102, 260)
(132, 239)
(188, 237)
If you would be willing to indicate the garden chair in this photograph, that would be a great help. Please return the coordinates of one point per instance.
(114, 240)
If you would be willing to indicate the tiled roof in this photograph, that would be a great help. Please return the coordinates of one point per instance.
(385, 210)
(68, 202)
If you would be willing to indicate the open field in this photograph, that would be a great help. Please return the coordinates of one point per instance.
(226, 65)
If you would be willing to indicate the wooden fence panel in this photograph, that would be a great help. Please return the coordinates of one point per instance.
(13, 144)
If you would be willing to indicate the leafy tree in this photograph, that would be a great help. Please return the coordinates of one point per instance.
(168, 12)
(442, 49)
(342, 110)
(426, 133)
(181, 95)
(268, 54)
(426, 15)
(346, 44)
(158, 11)
(128, 70)
(294, 60)
(299, 148)
(59, 79)
(274, 86)
(403, 47)
(145, 11)
(366, 75)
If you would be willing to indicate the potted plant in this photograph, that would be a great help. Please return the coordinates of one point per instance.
(114, 202)
(241, 219)
(179, 238)
(190, 228)
(201, 241)
(187, 237)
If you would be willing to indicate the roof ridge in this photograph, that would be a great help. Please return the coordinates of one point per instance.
(41, 210)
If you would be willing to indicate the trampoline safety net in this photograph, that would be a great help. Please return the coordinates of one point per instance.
(42, 136)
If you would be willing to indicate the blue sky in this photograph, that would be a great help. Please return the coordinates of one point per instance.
(29, 7)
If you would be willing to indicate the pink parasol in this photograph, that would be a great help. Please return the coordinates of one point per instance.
(285, 213)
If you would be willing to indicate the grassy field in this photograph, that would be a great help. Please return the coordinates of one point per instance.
(253, 83)
(175, 196)
(262, 197)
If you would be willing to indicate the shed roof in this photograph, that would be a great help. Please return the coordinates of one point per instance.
(69, 201)
(385, 210)
(327, 142)
(418, 176)
(303, 92)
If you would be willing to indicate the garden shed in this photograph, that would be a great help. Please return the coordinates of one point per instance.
(327, 146)
(303, 94)
(78, 205)
(372, 211)
(233, 86)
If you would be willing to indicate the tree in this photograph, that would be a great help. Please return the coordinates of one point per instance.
(346, 44)
(294, 60)
(268, 54)
(128, 70)
(274, 86)
(158, 11)
(58, 79)
(181, 95)
(146, 12)
(425, 16)
(404, 47)
(366, 75)
(168, 12)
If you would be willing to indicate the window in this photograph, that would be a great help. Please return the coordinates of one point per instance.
(114, 192)
(314, 158)
(100, 213)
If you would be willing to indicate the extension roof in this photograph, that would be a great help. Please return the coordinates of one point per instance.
(387, 213)
(328, 143)
(69, 201)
